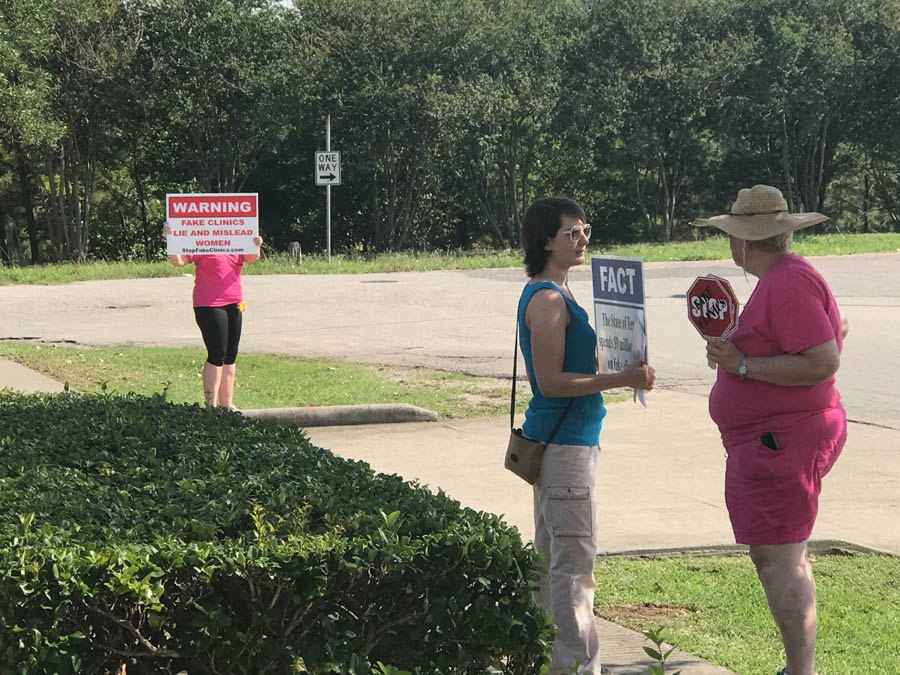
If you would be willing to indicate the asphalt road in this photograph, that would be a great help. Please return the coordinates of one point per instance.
(458, 320)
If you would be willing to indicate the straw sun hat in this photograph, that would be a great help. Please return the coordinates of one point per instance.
(760, 213)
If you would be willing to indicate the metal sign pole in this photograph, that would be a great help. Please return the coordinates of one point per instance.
(328, 194)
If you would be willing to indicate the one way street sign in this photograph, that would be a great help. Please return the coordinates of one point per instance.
(328, 168)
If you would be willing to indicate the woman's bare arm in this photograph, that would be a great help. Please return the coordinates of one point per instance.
(811, 366)
(547, 317)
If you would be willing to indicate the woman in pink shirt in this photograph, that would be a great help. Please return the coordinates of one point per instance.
(218, 307)
(777, 409)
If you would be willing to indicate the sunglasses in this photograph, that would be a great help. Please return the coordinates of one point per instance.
(577, 231)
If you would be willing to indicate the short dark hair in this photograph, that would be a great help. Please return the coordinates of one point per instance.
(542, 221)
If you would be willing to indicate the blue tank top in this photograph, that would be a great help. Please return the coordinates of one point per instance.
(582, 424)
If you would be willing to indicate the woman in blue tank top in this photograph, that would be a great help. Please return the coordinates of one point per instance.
(560, 351)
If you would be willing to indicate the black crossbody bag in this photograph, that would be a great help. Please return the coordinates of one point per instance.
(523, 455)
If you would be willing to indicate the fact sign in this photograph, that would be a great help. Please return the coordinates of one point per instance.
(619, 313)
(328, 168)
(212, 224)
(712, 307)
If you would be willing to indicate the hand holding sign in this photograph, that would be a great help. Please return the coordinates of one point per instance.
(712, 308)
(725, 354)
(640, 376)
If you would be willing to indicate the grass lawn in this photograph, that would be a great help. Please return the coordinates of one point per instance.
(712, 248)
(714, 607)
(266, 380)
(716, 248)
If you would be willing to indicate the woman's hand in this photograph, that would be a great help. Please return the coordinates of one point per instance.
(639, 376)
(253, 257)
(724, 354)
(176, 260)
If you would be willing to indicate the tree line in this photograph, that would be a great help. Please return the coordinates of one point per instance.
(451, 116)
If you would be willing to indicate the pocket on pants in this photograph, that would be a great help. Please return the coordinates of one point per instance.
(763, 464)
(570, 512)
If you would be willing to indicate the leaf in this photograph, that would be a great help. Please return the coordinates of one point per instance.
(391, 519)
(652, 653)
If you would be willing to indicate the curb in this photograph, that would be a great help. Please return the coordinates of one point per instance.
(341, 415)
(814, 546)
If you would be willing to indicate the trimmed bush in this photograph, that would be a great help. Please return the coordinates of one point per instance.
(178, 538)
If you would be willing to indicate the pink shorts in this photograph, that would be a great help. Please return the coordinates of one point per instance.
(773, 495)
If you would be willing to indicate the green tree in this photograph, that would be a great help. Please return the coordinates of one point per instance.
(875, 143)
(26, 121)
(383, 80)
(452, 115)
(799, 98)
(644, 78)
(502, 109)
(224, 76)
(25, 87)
(94, 42)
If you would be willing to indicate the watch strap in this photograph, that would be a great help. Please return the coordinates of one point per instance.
(742, 369)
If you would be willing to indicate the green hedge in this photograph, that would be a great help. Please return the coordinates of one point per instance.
(171, 538)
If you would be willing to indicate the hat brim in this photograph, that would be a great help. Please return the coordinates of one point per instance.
(763, 226)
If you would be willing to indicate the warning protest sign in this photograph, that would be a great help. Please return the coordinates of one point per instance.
(619, 312)
(211, 224)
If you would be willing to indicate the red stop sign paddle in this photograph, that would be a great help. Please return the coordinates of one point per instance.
(712, 306)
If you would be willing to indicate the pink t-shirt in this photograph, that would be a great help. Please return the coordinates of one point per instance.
(217, 280)
(791, 309)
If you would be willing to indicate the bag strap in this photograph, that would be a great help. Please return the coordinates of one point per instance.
(512, 396)
(559, 423)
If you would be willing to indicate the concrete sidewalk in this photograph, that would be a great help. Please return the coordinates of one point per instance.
(24, 379)
(659, 481)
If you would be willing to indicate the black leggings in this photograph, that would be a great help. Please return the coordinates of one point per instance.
(221, 329)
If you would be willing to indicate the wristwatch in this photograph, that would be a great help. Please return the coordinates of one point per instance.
(742, 369)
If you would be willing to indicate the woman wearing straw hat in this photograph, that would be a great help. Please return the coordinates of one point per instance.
(777, 408)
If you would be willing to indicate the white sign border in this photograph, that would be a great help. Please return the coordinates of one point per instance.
(247, 247)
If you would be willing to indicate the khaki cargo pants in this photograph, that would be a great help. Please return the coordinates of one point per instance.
(565, 532)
